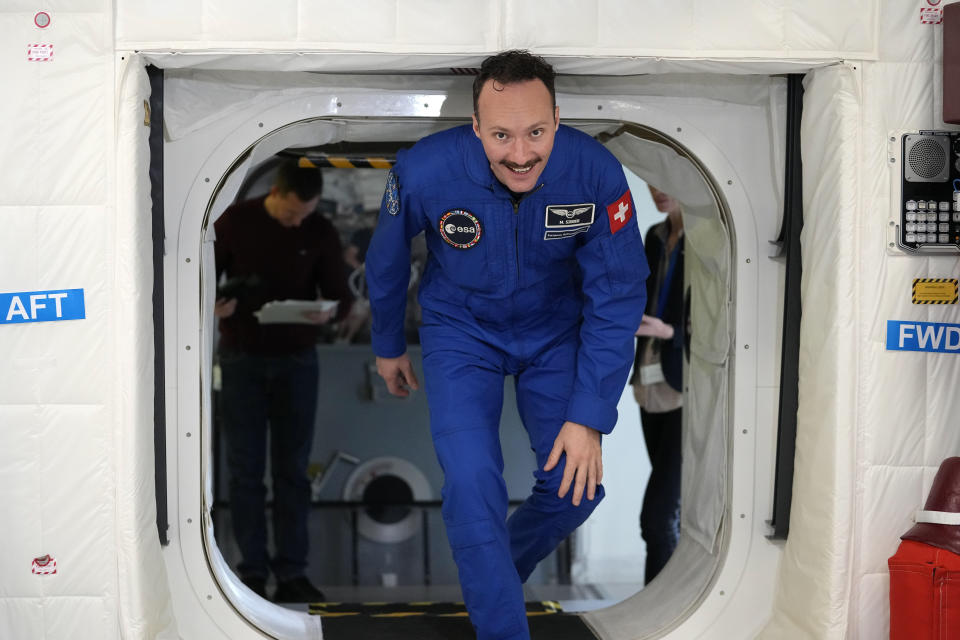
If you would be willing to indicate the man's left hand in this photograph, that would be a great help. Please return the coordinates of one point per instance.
(654, 327)
(584, 468)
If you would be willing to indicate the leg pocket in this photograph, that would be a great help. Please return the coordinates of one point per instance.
(470, 534)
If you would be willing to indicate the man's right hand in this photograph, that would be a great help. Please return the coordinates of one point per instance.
(224, 307)
(398, 374)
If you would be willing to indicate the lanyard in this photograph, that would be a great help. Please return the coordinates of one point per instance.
(665, 287)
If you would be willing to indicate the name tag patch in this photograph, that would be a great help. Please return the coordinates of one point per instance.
(565, 220)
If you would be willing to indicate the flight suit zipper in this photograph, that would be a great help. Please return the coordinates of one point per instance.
(516, 236)
(516, 225)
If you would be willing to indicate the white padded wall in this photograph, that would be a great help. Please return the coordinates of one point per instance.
(76, 457)
(907, 405)
(351, 25)
(812, 593)
(798, 29)
(876, 423)
(57, 383)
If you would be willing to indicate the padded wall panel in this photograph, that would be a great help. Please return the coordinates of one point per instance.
(893, 398)
(21, 540)
(54, 7)
(943, 375)
(19, 226)
(336, 21)
(21, 618)
(52, 120)
(738, 29)
(249, 20)
(873, 615)
(893, 432)
(565, 24)
(886, 491)
(812, 593)
(75, 617)
(52, 248)
(825, 25)
(143, 591)
(720, 25)
(171, 21)
(76, 498)
(366, 25)
(454, 25)
(903, 37)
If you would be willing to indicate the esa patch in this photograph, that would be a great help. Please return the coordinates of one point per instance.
(460, 229)
(391, 196)
(565, 220)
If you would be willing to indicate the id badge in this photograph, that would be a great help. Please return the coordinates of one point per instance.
(651, 374)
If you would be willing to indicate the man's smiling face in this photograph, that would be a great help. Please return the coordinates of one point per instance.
(516, 124)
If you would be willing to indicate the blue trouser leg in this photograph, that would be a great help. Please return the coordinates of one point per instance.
(660, 515)
(293, 404)
(465, 392)
(279, 391)
(544, 520)
(244, 413)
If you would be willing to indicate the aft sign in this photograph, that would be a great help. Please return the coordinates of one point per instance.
(41, 306)
(932, 337)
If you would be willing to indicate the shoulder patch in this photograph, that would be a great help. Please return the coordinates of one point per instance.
(391, 195)
(620, 212)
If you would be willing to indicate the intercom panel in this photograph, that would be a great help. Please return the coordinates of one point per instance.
(929, 217)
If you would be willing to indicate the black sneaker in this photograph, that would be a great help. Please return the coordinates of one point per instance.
(256, 584)
(297, 589)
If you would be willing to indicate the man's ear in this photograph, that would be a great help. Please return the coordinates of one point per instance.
(476, 125)
(556, 118)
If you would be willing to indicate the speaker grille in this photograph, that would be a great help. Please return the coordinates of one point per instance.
(927, 159)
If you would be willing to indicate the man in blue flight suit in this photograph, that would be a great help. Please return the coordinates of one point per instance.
(536, 269)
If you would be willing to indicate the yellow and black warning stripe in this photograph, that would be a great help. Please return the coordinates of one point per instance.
(935, 291)
(346, 162)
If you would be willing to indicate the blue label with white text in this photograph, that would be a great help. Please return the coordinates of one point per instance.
(42, 306)
(931, 337)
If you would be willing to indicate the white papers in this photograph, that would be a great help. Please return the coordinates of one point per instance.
(292, 311)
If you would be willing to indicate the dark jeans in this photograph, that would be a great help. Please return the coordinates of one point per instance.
(660, 516)
(281, 392)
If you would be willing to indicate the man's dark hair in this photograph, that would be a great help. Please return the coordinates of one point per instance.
(515, 65)
(304, 181)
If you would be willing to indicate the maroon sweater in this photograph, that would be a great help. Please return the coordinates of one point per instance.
(295, 263)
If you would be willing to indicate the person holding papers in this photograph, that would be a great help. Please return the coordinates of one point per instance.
(269, 249)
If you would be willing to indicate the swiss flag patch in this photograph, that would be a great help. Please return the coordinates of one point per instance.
(620, 212)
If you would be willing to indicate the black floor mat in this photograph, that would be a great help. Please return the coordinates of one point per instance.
(435, 621)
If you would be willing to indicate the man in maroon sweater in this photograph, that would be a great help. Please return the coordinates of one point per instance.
(274, 248)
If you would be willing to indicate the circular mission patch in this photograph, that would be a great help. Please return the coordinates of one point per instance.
(460, 229)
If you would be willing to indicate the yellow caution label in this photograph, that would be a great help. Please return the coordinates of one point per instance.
(935, 291)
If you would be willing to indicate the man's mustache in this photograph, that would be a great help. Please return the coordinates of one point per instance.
(514, 165)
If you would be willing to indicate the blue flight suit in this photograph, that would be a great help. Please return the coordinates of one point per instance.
(550, 289)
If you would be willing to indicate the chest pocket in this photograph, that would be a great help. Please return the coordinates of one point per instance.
(469, 244)
(557, 231)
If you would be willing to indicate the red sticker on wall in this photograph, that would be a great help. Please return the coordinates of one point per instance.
(44, 566)
(931, 15)
(39, 52)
